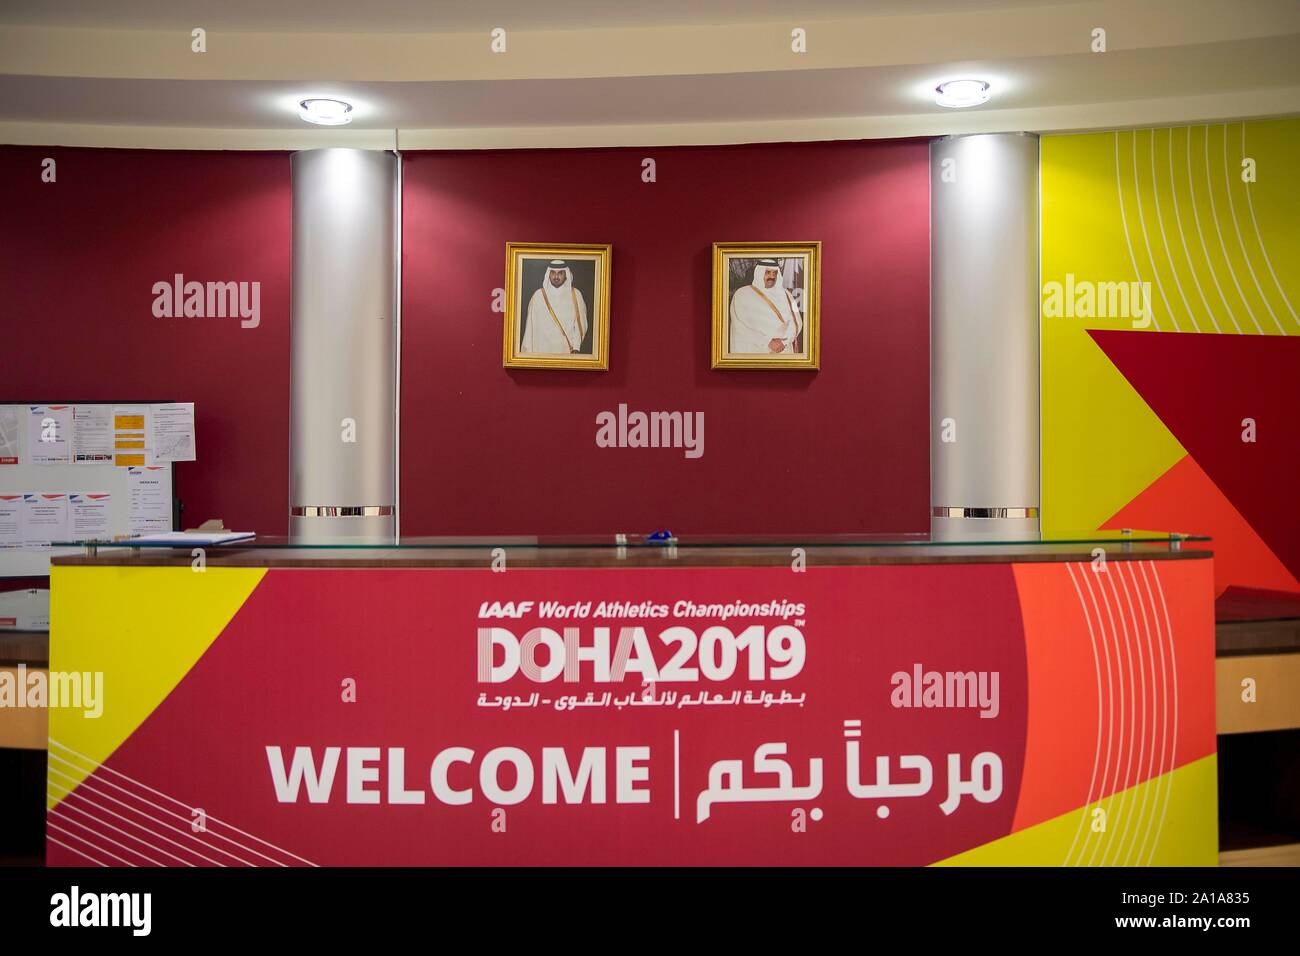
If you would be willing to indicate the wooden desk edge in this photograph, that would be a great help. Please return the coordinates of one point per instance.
(523, 556)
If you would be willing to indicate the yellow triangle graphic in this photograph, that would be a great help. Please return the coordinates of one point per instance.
(142, 629)
(1171, 820)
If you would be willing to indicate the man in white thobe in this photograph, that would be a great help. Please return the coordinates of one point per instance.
(557, 314)
(764, 317)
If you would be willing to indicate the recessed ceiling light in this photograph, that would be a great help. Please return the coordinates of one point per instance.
(325, 112)
(959, 93)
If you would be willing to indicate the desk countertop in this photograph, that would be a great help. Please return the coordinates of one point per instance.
(532, 555)
(24, 647)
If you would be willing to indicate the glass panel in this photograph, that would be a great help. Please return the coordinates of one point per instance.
(639, 541)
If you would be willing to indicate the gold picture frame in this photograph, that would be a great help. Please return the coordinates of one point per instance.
(763, 318)
(567, 332)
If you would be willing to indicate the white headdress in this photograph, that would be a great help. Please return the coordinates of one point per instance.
(556, 265)
(760, 270)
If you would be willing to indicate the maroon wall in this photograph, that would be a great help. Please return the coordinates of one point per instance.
(846, 448)
(78, 260)
(486, 449)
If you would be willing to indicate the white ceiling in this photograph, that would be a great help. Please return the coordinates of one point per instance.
(457, 16)
(119, 72)
(877, 91)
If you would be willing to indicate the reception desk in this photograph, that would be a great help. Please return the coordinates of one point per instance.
(521, 702)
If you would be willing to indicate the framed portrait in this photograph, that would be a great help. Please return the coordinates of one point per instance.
(557, 306)
(766, 304)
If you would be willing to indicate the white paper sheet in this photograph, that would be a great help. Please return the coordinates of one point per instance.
(92, 434)
(173, 432)
(88, 514)
(10, 422)
(49, 434)
(131, 434)
(150, 504)
(11, 521)
(45, 518)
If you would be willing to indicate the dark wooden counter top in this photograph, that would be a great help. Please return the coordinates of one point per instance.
(640, 556)
(24, 647)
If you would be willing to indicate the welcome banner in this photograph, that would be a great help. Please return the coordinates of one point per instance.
(1036, 713)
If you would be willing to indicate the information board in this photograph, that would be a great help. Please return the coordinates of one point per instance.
(72, 472)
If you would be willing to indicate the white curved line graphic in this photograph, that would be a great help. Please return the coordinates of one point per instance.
(1232, 211)
(69, 795)
(1119, 188)
(1119, 826)
(1110, 702)
(1135, 815)
(1149, 775)
(1114, 693)
(1155, 270)
(84, 856)
(1205, 249)
(97, 766)
(1173, 747)
(1163, 768)
(107, 839)
(1214, 215)
(1096, 755)
(1124, 754)
(93, 846)
(151, 819)
(65, 807)
(1160, 221)
(1178, 219)
(1250, 204)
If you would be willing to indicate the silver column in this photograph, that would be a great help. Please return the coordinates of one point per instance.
(984, 300)
(343, 356)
